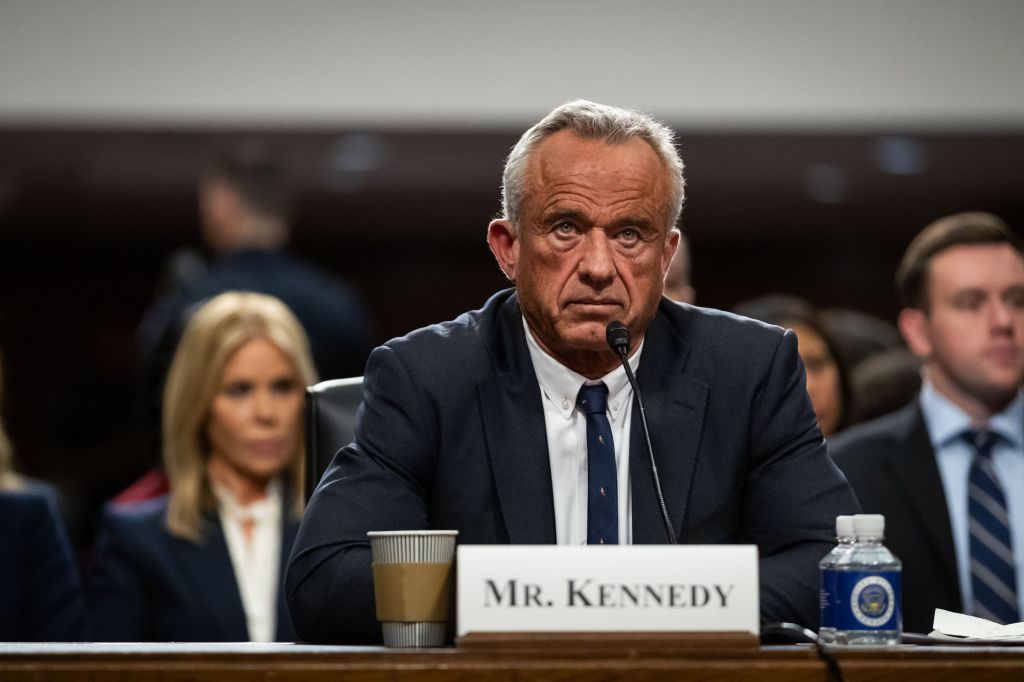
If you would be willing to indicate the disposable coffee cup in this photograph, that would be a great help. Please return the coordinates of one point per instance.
(412, 582)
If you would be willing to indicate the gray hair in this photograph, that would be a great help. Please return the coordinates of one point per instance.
(593, 121)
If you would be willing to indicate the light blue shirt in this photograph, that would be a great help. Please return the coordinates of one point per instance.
(946, 422)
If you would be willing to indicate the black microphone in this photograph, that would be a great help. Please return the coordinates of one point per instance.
(617, 335)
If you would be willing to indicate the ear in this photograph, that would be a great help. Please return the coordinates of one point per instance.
(671, 244)
(913, 324)
(501, 237)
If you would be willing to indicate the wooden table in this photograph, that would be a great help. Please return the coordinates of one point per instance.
(235, 662)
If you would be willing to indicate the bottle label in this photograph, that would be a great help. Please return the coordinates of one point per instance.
(867, 600)
(826, 597)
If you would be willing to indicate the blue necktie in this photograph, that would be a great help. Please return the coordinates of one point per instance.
(602, 485)
(993, 575)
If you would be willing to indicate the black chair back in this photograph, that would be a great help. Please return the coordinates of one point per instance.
(331, 408)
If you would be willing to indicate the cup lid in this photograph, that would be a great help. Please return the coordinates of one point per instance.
(391, 533)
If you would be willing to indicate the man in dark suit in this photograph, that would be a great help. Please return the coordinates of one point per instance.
(515, 423)
(245, 208)
(961, 283)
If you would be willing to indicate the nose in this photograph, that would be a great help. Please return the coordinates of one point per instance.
(597, 262)
(265, 407)
(1001, 317)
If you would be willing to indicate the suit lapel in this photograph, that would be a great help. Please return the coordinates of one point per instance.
(208, 567)
(513, 419)
(915, 470)
(675, 406)
(285, 629)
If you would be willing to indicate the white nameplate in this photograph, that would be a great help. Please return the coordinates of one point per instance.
(638, 588)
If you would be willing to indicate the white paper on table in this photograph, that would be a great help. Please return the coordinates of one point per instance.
(960, 625)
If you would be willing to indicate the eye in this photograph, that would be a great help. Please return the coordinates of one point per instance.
(237, 389)
(969, 301)
(565, 229)
(1015, 298)
(630, 235)
(283, 386)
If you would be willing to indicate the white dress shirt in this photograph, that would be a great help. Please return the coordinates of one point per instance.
(256, 555)
(566, 429)
(946, 422)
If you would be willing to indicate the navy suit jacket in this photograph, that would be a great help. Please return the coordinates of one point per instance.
(151, 586)
(332, 313)
(40, 593)
(451, 435)
(891, 465)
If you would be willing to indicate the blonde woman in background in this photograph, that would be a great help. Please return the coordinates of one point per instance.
(204, 563)
(40, 592)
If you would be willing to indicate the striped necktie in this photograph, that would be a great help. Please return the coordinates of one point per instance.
(993, 575)
(602, 484)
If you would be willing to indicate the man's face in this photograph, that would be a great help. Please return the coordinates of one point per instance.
(218, 214)
(592, 246)
(972, 335)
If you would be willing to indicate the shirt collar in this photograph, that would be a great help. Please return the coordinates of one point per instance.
(560, 385)
(268, 508)
(946, 422)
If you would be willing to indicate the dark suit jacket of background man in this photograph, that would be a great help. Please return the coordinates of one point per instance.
(41, 596)
(152, 586)
(451, 435)
(891, 465)
(331, 312)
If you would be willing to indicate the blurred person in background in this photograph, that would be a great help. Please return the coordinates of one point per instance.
(246, 200)
(947, 470)
(883, 375)
(204, 563)
(40, 591)
(827, 377)
(678, 279)
(859, 335)
(883, 383)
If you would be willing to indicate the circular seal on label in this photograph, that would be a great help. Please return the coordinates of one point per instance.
(873, 601)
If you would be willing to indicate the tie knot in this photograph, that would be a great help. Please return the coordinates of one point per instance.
(593, 398)
(981, 440)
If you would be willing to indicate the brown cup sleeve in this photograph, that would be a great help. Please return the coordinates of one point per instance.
(412, 592)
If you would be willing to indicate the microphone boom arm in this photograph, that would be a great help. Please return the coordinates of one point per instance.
(617, 335)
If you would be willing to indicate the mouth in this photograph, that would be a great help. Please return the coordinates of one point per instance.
(595, 303)
(267, 447)
(1003, 354)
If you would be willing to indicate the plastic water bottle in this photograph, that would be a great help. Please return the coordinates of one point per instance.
(868, 588)
(827, 577)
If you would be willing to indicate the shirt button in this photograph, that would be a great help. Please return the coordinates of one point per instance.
(565, 403)
(615, 404)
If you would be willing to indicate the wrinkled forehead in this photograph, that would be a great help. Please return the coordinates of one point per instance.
(597, 162)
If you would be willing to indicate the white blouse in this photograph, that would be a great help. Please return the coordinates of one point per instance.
(256, 555)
